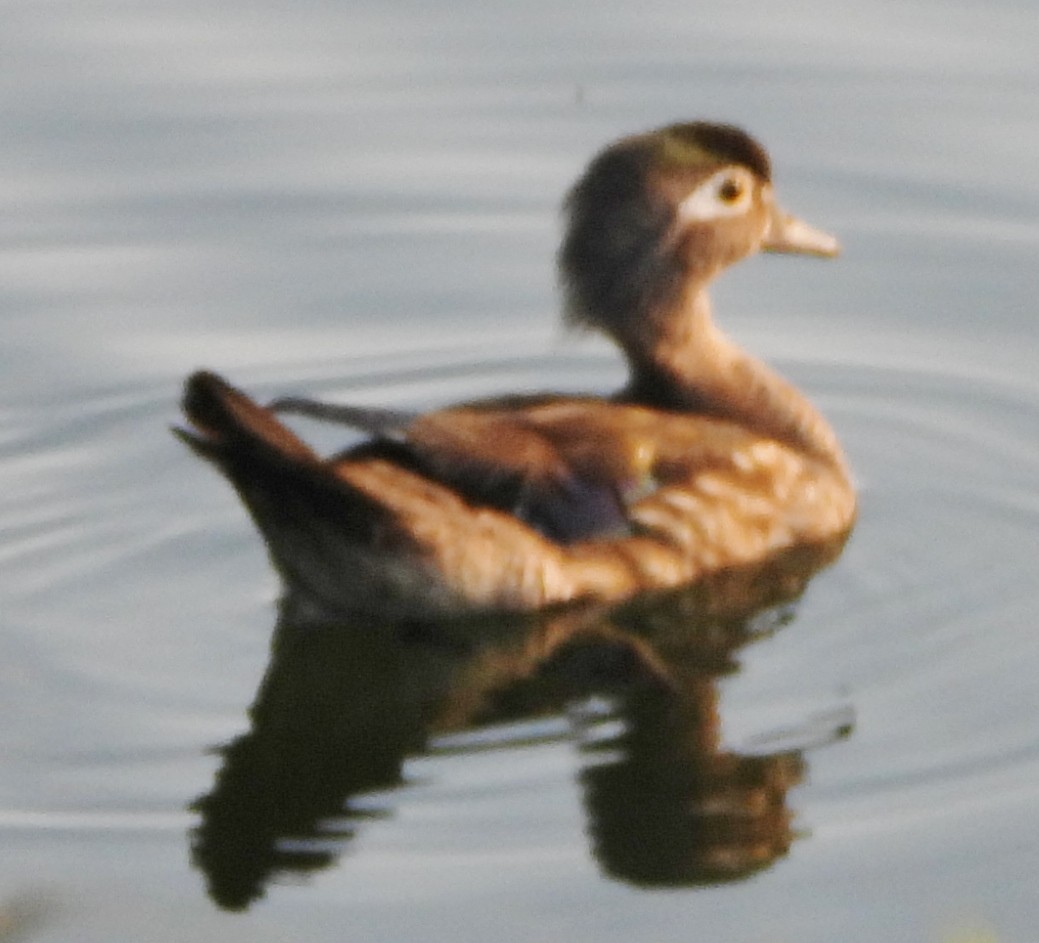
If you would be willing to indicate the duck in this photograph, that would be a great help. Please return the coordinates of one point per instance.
(706, 459)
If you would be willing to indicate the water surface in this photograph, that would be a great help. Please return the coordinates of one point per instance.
(360, 202)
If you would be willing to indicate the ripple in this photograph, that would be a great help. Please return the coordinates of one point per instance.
(134, 583)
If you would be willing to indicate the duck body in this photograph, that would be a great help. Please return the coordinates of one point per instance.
(706, 460)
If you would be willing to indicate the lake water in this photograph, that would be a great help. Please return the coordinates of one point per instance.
(359, 201)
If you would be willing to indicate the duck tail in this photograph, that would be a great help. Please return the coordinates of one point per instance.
(312, 521)
(227, 423)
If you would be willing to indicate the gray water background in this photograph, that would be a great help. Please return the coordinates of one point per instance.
(359, 201)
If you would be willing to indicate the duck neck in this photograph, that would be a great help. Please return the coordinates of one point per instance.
(688, 364)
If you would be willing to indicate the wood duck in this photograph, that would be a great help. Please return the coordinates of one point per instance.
(705, 460)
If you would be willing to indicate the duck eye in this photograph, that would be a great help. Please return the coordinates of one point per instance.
(723, 195)
(730, 190)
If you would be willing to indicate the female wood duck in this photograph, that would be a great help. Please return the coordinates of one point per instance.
(705, 460)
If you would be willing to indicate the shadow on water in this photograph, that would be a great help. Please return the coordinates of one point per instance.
(343, 705)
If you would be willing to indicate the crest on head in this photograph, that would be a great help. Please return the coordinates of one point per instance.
(702, 143)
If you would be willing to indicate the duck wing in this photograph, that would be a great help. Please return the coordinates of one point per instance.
(372, 530)
(491, 455)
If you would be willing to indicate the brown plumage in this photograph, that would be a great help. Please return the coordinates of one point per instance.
(706, 460)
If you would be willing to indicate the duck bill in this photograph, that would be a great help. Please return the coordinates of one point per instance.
(787, 233)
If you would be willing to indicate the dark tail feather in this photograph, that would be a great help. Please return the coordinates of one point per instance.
(227, 420)
(312, 521)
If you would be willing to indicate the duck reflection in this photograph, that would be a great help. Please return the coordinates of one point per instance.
(343, 705)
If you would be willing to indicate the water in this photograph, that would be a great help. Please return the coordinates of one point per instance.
(360, 201)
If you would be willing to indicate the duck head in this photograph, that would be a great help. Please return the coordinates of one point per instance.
(657, 216)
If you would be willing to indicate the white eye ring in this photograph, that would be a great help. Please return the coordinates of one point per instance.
(724, 194)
